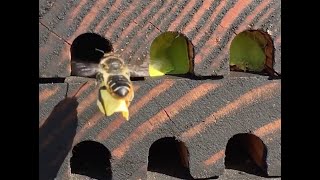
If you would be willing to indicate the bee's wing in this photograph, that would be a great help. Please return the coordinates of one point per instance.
(84, 69)
(99, 79)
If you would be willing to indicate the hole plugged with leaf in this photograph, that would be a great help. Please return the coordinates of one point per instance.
(252, 51)
(246, 152)
(170, 53)
(169, 156)
(86, 52)
(91, 159)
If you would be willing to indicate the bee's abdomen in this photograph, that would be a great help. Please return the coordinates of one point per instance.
(119, 85)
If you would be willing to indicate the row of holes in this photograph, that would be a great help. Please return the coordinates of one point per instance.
(84, 48)
(244, 152)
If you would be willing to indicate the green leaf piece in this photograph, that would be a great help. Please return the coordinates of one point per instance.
(169, 55)
(247, 51)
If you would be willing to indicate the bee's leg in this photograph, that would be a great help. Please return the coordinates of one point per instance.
(99, 79)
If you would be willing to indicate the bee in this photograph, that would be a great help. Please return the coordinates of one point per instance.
(115, 86)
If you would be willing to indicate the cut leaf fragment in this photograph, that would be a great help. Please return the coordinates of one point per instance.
(250, 51)
(169, 54)
(109, 105)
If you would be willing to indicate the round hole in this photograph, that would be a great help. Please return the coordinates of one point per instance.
(169, 156)
(86, 52)
(252, 51)
(91, 159)
(247, 153)
(171, 53)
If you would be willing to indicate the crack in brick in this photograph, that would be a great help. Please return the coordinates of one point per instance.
(163, 109)
(135, 22)
(231, 29)
(54, 33)
(155, 26)
(170, 118)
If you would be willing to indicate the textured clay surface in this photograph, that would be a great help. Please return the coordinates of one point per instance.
(131, 26)
(204, 114)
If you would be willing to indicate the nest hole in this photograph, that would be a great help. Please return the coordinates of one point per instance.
(247, 153)
(91, 159)
(169, 156)
(171, 53)
(86, 52)
(252, 51)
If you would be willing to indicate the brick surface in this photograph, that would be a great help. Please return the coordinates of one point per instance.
(54, 54)
(57, 127)
(131, 26)
(204, 114)
(228, 175)
(49, 96)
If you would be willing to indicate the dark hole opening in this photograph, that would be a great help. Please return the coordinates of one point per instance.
(137, 78)
(86, 52)
(91, 159)
(253, 51)
(51, 80)
(247, 153)
(169, 156)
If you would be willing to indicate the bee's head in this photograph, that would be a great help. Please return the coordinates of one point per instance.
(111, 64)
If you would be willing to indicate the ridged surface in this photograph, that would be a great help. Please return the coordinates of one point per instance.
(204, 114)
(131, 26)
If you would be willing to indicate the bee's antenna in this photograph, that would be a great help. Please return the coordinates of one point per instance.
(99, 50)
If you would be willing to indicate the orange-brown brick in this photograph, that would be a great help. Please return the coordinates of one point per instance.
(204, 114)
(131, 26)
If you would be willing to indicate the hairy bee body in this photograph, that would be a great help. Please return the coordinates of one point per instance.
(119, 85)
(115, 76)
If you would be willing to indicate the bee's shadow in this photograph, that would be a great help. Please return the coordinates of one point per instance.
(56, 136)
